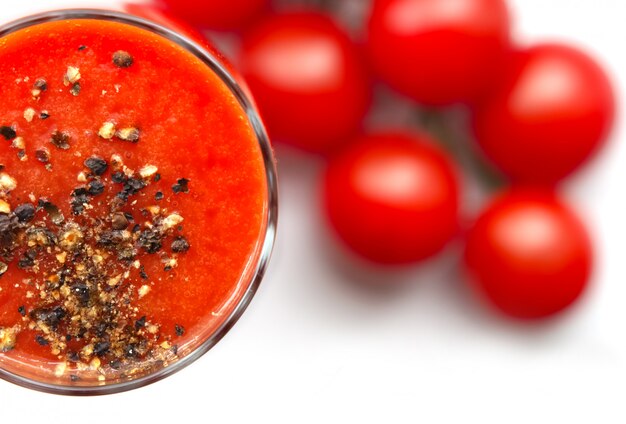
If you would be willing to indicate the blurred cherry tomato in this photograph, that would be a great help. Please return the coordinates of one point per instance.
(529, 254)
(438, 51)
(552, 109)
(216, 14)
(393, 198)
(307, 78)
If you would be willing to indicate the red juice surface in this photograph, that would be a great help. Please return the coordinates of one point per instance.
(133, 201)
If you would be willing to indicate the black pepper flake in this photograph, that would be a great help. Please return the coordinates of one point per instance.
(27, 260)
(53, 210)
(142, 272)
(80, 197)
(101, 348)
(181, 186)
(131, 187)
(44, 115)
(97, 165)
(180, 245)
(41, 340)
(102, 327)
(8, 230)
(22, 310)
(156, 178)
(118, 177)
(75, 90)
(158, 195)
(42, 155)
(130, 351)
(81, 47)
(60, 140)
(50, 316)
(82, 293)
(94, 188)
(111, 238)
(7, 132)
(150, 240)
(40, 84)
(140, 323)
(122, 59)
(25, 212)
(180, 330)
(119, 221)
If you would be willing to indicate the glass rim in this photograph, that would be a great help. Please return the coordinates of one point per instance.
(264, 248)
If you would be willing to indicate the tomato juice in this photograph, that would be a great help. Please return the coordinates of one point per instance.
(133, 202)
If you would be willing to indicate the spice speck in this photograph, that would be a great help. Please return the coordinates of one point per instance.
(122, 59)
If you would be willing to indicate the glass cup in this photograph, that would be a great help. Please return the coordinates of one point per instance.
(30, 376)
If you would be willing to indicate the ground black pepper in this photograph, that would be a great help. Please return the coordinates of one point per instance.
(122, 59)
(94, 188)
(60, 140)
(96, 165)
(179, 329)
(7, 132)
(180, 245)
(75, 90)
(181, 186)
(40, 84)
(42, 155)
(25, 212)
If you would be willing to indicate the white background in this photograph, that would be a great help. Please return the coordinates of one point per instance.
(314, 346)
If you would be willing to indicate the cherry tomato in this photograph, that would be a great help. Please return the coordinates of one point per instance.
(529, 254)
(438, 51)
(307, 78)
(550, 112)
(393, 198)
(216, 14)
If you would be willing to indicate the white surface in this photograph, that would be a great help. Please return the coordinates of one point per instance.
(314, 348)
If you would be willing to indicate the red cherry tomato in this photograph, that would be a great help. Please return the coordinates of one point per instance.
(392, 198)
(552, 109)
(307, 79)
(438, 51)
(529, 254)
(216, 14)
